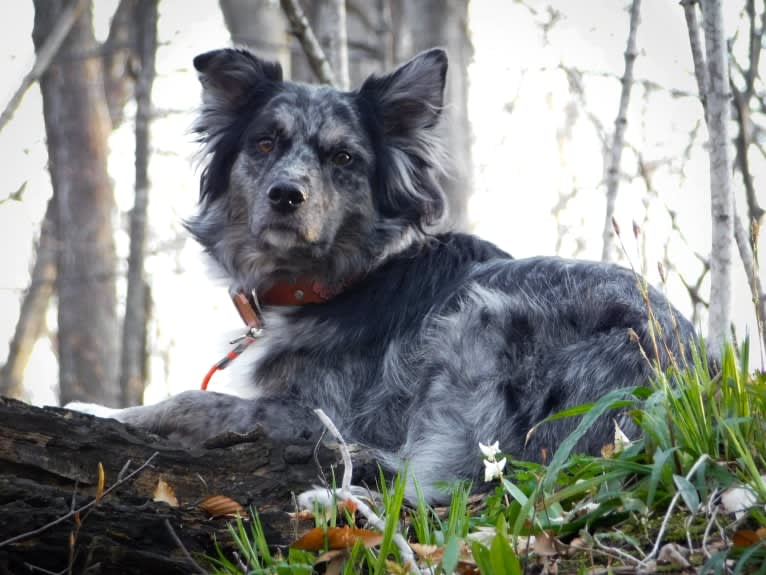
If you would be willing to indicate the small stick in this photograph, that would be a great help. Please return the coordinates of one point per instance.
(183, 549)
(704, 457)
(407, 556)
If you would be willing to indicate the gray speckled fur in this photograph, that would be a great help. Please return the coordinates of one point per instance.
(440, 341)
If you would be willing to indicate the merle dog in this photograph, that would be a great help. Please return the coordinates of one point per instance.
(416, 344)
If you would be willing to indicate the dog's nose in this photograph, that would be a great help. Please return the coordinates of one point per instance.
(285, 198)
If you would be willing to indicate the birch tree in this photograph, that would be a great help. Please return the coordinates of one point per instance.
(711, 71)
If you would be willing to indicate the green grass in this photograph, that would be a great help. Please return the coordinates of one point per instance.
(703, 434)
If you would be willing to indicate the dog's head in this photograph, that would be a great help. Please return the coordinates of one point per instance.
(309, 180)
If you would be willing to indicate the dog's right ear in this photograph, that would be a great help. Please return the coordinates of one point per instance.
(232, 75)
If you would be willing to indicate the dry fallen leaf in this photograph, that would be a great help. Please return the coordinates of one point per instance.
(304, 515)
(219, 505)
(431, 552)
(337, 538)
(674, 554)
(165, 493)
(747, 537)
(545, 545)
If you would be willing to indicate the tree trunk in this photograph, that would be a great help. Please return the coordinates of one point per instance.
(425, 24)
(133, 358)
(260, 25)
(77, 126)
(121, 59)
(718, 102)
(49, 461)
(31, 323)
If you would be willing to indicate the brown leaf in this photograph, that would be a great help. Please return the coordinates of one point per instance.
(673, 554)
(467, 567)
(607, 451)
(337, 538)
(545, 545)
(220, 505)
(431, 552)
(164, 492)
(304, 515)
(747, 537)
(330, 555)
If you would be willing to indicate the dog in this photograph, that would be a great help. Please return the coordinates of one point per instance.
(417, 344)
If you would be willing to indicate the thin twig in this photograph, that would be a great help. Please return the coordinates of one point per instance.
(183, 549)
(616, 552)
(345, 453)
(653, 553)
(302, 30)
(618, 138)
(45, 56)
(405, 552)
(82, 508)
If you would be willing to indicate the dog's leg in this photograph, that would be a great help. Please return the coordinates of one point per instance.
(192, 417)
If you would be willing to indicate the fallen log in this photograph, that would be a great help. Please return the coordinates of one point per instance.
(49, 465)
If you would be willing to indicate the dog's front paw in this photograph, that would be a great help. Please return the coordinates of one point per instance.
(92, 409)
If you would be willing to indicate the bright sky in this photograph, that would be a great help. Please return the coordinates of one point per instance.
(525, 162)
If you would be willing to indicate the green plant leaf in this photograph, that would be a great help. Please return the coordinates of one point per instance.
(481, 557)
(451, 555)
(605, 403)
(502, 558)
(688, 492)
(661, 457)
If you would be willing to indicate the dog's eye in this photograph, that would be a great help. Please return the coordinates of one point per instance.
(265, 145)
(342, 159)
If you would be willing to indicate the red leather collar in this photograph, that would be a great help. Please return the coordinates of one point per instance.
(285, 293)
(297, 293)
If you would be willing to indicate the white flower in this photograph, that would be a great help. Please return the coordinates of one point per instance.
(490, 451)
(493, 469)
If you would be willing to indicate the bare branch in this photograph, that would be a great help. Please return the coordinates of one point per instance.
(698, 56)
(312, 48)
(751, 270)
(618, 138)
(44, 57)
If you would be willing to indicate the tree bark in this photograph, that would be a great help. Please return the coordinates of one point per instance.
(31, 323)
(133, 357)
(49, 459)
(77, 126)
(121, 59)
(260, 25)
(718, 103)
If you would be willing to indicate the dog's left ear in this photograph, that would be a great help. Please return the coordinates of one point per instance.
(411, 97)
(232, 75)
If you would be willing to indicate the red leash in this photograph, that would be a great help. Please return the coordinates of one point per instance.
(299, 292)
(252, 318)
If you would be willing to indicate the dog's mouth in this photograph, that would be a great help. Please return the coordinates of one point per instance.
(283, 235)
